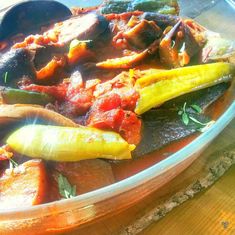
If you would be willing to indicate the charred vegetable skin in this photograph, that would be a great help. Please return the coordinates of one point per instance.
(14, 65)
(163, 125)
(178, 46)
(68, 144)
(161, 6)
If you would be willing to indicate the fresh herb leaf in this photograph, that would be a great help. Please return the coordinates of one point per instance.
(172, 44)
(197, 121)
(182, 49)
(196, 108)
(13, 164)
(185, 118)
(180, 112)
(207, 126)
(5, 77)
(184, 107)
(184, 115)
(65, 188)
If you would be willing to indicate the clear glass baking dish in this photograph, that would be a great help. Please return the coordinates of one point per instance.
(65, 215)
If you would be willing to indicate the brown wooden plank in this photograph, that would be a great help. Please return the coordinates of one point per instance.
(210, 212)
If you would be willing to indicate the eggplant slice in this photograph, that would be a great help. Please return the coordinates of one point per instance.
(16, 64)
(163, 125)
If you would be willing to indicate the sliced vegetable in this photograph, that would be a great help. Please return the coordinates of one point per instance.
(68, 144)
(127, 62)
(25, 185)
(17, 96)
(19, 112)
(86, 176)
(53, 67)
(143, 34)
(79, 51)
(157, 88)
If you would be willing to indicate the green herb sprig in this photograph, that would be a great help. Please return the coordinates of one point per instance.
(65, 188)
(187, 117)
(5, 77)
(12, 163)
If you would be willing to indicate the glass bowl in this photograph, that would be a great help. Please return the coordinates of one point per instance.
(65, 215)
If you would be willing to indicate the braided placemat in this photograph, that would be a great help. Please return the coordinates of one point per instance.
(223, 161)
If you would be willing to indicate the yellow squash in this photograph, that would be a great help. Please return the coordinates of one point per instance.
(157, 88)
(68, 143)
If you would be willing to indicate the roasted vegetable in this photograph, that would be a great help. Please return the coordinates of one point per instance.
(157, 88)
(17, 96)
(163, 125)
(178, 46)
(143, 34)
(14, 65)
(161, 6)
(88, 26)
(68, 144)
(57, 39)
(161, 20)
(25, 185)
(79, 51)
(51, 69)
(129, 61)
(31, 113)
(86, 175)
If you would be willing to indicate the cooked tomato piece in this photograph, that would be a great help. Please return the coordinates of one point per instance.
(129, 99)
(130, 128)
(107, 103)
(107, 114)
(82, 100)
(108, 120)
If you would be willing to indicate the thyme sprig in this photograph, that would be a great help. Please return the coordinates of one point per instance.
(5, 77)
(186, 117)
(12, 163)
(65, 188)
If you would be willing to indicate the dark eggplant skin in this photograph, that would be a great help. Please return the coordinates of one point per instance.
(29, 16)
(14, 65)
(161, 20)
(163, 125)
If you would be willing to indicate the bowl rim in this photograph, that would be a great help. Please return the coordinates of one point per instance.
(134, 181)
(90, 198)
